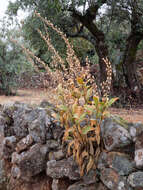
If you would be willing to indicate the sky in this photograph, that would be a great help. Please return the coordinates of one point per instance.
(3, 7)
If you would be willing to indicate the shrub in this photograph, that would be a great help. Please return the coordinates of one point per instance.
(82, 105)
(82, 119)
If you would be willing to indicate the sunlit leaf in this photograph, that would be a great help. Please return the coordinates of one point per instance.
(92, 139)
(78, 156)
(84, 154)
(89, 93)
(97, 154)
(82, 169)
(74, 106)
(89, 108)
(96, 100)
(111, 101)
(80, 80)
(86, 129)
(78, 112)
(90, 164)
(81, 118)
(56, 116)
(70, 146)
(59, 88)
(93, 122)
(91, 148)
(97, 131)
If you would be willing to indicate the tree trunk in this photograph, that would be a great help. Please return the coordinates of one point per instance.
(129, 66)
(100, 45)
(102, 52)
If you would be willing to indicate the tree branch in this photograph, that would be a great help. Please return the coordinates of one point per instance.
(90, 12)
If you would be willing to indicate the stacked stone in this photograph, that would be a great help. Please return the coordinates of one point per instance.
(34, 158)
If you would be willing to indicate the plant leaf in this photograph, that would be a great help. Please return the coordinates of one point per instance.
(80, 80)
(96, 100)
(86, 129)
(69, 147)
(89, 93)
(63, 108)
(90, 164)
(111, 101)
(81, 118)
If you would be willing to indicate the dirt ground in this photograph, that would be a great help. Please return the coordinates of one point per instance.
(34, 96)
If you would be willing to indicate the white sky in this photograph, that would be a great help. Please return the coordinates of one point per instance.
(3, 7)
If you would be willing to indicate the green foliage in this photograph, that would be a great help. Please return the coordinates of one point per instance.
(82, 47)
(81, 115)
(12, 60)
(55, 12)
(49, 9)
(116, 20)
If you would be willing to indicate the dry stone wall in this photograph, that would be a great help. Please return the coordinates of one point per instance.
(33, 157)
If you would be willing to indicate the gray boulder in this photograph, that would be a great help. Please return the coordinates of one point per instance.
(114, 135)
(112, 180)
(119, 162)
(139, 151)
(8, 147)
(136, 179)
(3, 177)
(63, 168)
(29, 163)
(82, 186)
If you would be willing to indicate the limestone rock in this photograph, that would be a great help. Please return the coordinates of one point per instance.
(52, 144)
(8, 146)
(114, 135)
(82, 186)
(24, 143)
(139, 151)
(60, 184)
(101, 186)
(37, 128)
(4, 120)
(135, 129)
(57, 155)
(57, 131)
(3, 177)
(120, 162)
(40, 182)
(29, 163)
(136, 179)
(63, 168)
(90, 177)
(20, 122)
(113, 180)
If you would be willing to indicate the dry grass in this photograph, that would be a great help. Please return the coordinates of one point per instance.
(35, 96)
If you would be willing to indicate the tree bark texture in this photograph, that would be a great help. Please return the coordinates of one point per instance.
(129, 64)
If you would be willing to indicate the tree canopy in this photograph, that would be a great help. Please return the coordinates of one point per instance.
(12, 60)
(112, 29)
